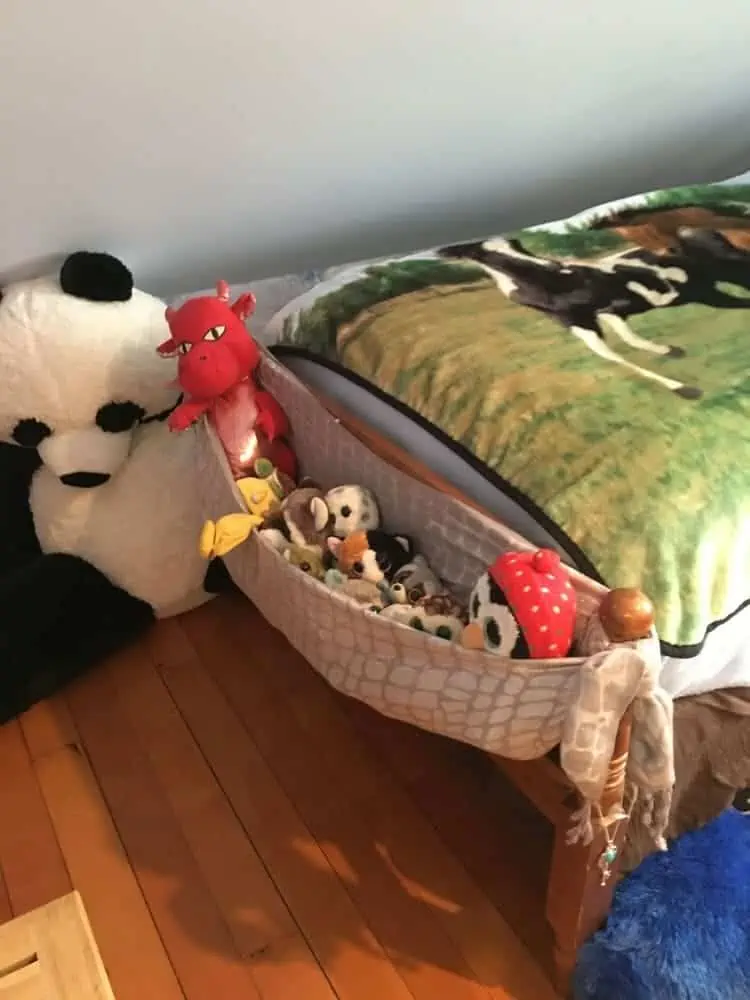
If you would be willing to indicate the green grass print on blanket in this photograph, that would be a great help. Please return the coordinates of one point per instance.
(655, 489)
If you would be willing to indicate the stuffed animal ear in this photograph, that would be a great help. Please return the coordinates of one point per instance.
(320, 512)
(244, 306)
(287, 553)
(406, 543)
(98, 277)
(285, 483)
(333, 545)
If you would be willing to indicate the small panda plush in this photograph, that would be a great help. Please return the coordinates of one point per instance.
(99, 513)
(524, 606)
(353, 508)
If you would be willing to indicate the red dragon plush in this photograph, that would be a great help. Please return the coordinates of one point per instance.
(216, 368)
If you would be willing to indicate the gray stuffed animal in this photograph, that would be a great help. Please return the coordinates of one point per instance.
(303, 519)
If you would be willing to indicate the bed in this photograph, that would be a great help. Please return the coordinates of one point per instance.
(614, 449)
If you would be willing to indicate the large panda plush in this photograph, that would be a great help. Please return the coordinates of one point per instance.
(99, 520)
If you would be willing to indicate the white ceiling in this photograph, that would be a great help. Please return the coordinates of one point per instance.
(199, 138)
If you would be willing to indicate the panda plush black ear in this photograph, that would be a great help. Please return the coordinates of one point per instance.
(98, 277)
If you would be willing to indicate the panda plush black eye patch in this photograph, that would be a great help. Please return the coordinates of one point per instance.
(492, 632)
(30, 432)
(118, 417)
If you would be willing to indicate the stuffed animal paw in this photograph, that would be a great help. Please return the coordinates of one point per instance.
(219, 537)
(271, 419)
(185, 415)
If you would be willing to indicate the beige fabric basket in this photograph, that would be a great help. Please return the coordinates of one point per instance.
(516, 708)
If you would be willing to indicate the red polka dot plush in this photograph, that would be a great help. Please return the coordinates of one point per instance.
(523, 607)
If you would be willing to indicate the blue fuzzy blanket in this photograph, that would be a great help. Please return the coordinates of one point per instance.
(680, 925)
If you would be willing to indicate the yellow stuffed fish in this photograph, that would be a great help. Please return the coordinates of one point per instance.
(219, 537)
(262, 494)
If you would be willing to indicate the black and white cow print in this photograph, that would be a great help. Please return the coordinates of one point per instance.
(590, 298)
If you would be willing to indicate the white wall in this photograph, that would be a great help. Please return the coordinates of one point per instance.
(240, 138)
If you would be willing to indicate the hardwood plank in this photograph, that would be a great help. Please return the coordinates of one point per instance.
(414, 751)
(244, 892)
(192, 930)
(344, 945)
(131, 949)
(48, 727)
(382, 446)
(30, 859)
(405, 840)
(5, 911)
(427, 867)
(227, 859)
(428, 959)
(502, 842)
(264, 929)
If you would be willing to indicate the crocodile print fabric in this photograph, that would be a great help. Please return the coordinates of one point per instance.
(516, 708)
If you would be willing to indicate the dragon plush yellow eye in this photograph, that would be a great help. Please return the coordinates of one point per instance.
(215, 333)
(184, 348)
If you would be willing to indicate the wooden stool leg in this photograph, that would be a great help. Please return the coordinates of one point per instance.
(577, 902)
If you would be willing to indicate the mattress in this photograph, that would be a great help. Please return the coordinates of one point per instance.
(590, 378)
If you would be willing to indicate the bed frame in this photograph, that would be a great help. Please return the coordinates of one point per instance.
(578, 898)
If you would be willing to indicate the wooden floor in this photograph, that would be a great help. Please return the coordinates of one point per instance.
(237, 829)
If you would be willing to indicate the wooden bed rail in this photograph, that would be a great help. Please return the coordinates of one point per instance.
(394, 455)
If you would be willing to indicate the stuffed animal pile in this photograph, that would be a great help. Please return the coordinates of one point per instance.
(523, 606)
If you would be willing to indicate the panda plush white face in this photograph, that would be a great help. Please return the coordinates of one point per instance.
(79, 370)
(354, 508)
(488, 608)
